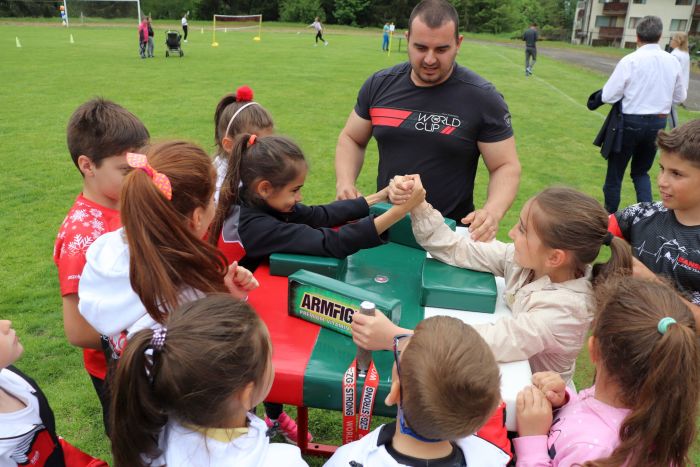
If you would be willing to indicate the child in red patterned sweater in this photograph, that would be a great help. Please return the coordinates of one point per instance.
(100, 133)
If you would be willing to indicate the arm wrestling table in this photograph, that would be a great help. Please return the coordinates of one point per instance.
(310, 360)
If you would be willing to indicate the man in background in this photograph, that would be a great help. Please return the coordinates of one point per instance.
(648, 81)
(530, 38)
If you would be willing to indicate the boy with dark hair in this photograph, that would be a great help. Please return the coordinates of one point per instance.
(664, 235)
(99, 134)
(446, 384)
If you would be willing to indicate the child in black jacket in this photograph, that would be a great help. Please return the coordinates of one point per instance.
(265, 177)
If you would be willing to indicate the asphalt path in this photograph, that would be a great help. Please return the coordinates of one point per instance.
(605, 64)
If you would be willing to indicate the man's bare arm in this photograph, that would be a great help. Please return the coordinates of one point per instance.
(503, 165)
(350, 155)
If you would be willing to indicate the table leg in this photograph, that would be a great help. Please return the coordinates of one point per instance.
(313, 449)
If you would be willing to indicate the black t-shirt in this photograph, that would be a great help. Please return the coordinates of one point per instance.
(662, 244)
(433, 131)
(530, 38)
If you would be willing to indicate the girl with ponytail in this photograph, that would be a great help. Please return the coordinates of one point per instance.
(260, 213)
(135, 276)
(181, 393)
(643, 406)
(236, 114)
(548, 272)
(265, 177)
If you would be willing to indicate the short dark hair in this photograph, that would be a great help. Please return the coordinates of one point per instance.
(100, 128)
(649, 29)
(683, 140)
(435, 13)
(449, 378)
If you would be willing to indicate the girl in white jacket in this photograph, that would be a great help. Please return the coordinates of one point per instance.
(135, 276)
(182, 392)
(547, 271)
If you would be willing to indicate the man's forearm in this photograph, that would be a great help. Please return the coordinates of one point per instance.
(503, 187)
(349, 157)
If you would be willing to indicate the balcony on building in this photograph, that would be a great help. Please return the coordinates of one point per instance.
(696, 11)
(615, 9)
(610, 32)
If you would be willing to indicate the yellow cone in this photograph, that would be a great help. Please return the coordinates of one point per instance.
(17, 42)
(71, 39)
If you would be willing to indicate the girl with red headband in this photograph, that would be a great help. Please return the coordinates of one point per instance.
(135, 276)
(237, 114)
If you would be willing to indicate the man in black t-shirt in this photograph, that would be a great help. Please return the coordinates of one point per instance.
(530, 37)
(433, 117)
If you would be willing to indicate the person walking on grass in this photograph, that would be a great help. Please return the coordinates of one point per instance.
(143, 37)
(149, 46)
(530, 37)
(385, 37)
(319, 31)
(184, 26)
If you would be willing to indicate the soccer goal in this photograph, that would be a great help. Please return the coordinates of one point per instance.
(85, 11)
(228, 23)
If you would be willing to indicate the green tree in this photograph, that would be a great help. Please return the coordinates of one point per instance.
(348, 11)
(495, 16)
(300, 10)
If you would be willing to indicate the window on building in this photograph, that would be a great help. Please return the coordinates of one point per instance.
(639, 1)
(678, 25)
(684, 2)
(604, 21)
(633, 23)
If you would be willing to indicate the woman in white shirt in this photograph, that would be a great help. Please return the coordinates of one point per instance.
(679, 44)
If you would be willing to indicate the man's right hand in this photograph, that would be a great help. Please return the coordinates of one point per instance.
(347, 192)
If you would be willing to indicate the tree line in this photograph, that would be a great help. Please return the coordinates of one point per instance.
(554, 17)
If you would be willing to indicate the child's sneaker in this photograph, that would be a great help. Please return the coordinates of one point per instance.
(325, 43)
(285, 426)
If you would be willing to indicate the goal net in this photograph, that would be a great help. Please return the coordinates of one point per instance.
(72, 12)
(90, 11)
(226, 23)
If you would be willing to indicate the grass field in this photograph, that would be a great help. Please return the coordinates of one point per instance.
(309, 91)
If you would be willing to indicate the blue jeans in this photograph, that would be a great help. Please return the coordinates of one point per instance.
(639, 145)
(385, 42)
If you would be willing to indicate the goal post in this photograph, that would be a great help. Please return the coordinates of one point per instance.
(235, 23)
(99, 8)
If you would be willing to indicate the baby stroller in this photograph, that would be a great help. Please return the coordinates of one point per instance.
(172, 43)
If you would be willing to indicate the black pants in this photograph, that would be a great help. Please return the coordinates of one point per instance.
(319, 36)
(639, 146)
(530, 52)
(101, 389)
(184, 29)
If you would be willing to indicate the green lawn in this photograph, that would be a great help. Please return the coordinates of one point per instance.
(308, 90)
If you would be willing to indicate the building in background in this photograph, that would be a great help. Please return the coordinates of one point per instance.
(613, 22)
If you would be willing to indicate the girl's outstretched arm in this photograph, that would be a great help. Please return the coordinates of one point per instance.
(396, 213)
(453, 248)
(378, 197)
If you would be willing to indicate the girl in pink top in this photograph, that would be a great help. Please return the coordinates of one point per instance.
(643, 407)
